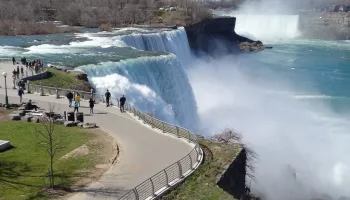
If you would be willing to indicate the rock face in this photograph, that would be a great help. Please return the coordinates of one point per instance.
(215, 36)
(233, 179)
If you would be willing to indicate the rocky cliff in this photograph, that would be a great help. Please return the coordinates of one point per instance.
(215, 36)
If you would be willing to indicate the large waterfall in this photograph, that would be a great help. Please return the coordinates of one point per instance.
(267, 27)
(167, 41)
(156, 84)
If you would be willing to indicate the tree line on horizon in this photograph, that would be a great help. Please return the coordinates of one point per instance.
(22, 17)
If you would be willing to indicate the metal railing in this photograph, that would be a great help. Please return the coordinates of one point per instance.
(170, 176)
(163, 180)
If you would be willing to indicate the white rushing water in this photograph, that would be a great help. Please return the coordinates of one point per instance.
(157, 84)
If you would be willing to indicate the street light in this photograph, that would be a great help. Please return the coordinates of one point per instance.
(6, 97)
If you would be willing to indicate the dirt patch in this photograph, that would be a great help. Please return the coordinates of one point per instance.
(83, 150)
(4, 114)
(105, 149)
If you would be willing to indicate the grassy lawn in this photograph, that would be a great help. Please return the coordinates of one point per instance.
(63, 80)
(21, 168)
(201, 185)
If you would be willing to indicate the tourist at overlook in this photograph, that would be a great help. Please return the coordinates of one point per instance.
(17, 72)
(30, 106)
(77, 99)
(108, 96)
(122, 101)
(76, 106)
(22, 73)
(91, 104)
(70, 98)
(13, 60)
(20, 93)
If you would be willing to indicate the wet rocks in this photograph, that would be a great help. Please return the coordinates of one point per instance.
(251, 46)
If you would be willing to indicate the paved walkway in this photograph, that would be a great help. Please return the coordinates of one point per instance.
(144, 151)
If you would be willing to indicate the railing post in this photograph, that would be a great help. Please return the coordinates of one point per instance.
(136, 194)
(28, 89)
(191, 162)
(163, 127)
(177, 132)
(153, 192)
(189, 135)
(57, 92)
(166, 177)
(180, 169)
(41, 89)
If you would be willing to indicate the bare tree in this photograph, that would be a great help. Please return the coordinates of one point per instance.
(51, 140)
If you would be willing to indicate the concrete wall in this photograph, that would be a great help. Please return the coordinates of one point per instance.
(233, 179)
(36, 77)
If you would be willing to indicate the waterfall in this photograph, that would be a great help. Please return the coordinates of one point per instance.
(267, 27)
(156, 84)
(174, 41)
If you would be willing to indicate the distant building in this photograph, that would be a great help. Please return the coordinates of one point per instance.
(343, 8)
(334, 8)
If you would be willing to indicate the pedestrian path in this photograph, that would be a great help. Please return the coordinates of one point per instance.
(144, 151)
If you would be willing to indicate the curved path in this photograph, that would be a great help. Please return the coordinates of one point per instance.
(144, 151)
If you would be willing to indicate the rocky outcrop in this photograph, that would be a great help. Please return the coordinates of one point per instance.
(215, 36)
(233, 178)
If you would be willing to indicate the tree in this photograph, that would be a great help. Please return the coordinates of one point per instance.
(51, 140)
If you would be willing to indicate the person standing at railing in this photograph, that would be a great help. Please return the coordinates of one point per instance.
(13, 60)
(91, 104)
(22, 73)
(17, 72)
(122, 101)
(70, 98)
(108, 96)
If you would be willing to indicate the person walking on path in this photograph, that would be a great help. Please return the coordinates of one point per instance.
(20, 93)
(76, 106)
(77, 98)
(17, 72)
(92, 104)
(22, 73)
(13, 60)
(70, 98)
(108, 96)
(122, 103)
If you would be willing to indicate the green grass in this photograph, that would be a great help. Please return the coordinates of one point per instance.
(21, 168)
(63, 80)
(201, 185)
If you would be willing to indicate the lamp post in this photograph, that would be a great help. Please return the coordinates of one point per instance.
(6, 97)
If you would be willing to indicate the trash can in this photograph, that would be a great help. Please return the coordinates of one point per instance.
(70, 116)
(80, 116)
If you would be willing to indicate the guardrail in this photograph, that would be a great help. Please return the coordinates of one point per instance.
(163, 180)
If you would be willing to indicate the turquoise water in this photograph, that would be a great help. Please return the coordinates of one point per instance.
(319, 69)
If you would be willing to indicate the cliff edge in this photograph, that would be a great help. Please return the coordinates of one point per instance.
(217, 36)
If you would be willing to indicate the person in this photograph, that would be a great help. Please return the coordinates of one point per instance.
(70, 98)
(17, 72)
(20, 93)
(30, 106)
(77, 98)
(92, 104)
(13, 60)
(76, 106)
(27, 64)
(122, 103)
(22, 71)
(14, 74)
(108, 96)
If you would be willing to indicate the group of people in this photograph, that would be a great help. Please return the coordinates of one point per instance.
(76, 102)
(34, 65)
(17, 72)
(122, 101)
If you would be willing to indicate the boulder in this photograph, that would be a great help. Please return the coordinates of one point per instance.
(21, 108)
(19, 112)
(27, 118)
(36, 119)
(89, 125)
(59, 121)
(70, 123)
(80, 124)
(15, 117)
